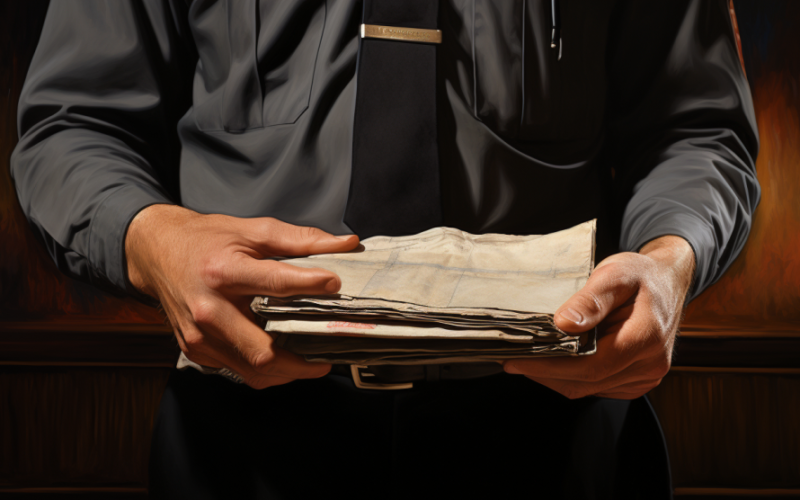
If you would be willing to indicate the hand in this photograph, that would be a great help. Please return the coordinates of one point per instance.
(636, 300)
(205, 270)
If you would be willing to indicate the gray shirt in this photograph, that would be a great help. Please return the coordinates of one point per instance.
(644, 120)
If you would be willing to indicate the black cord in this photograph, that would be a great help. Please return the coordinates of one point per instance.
(555, 24)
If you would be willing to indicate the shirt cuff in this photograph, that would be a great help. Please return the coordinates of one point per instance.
(185, 363)
(694, 230)
(107, 235)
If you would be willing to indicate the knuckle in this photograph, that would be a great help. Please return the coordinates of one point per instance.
(193, 342)
(268, 227)
(660, 369)
(257, 382)
(203, 312)
(214, 273)
(611, 273)
(653, 384)
(654, 342)
(278, 282)
(608, 269)
(262, 361)
(573, 393)
(269, 224)
(617, 275)
(642, 387)
(590, 303)
(310, 233)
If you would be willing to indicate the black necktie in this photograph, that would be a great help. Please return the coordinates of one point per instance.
(395, 178)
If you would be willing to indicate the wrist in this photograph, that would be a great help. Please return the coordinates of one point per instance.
(676, 255)
(144, 241)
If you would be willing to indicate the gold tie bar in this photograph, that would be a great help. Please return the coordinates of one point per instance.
(403, 34)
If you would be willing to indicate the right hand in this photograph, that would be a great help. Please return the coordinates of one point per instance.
(205, 270)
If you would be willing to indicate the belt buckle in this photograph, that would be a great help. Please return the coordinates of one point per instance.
(355, 370)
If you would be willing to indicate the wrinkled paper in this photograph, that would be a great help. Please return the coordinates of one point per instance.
(443, 295)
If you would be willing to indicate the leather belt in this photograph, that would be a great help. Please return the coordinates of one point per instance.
(397, 377)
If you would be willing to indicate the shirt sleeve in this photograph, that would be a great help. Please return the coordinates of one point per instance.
(97, 122)
(683, 134)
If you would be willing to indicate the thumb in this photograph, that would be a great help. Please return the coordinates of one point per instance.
(608, 288)
(277, 238)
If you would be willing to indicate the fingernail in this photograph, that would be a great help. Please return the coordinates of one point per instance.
(332, 286)
(511, 368)
(344, 237)
(572, 315)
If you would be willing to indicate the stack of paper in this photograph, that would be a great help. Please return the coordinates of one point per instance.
(441, 296)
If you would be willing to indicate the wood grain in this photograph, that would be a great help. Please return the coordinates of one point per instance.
(737, 493)
(31, 288)
(734, 430)
(77, 426)
(88, 493)
(763, 285)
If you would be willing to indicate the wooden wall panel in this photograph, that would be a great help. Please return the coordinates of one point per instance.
(761, 291)
(31, 288)
(734, 429)
(77, 426)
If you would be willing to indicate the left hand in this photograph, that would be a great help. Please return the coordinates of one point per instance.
(636, 301)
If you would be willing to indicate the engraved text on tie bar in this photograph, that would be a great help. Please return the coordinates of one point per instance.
(403, 34)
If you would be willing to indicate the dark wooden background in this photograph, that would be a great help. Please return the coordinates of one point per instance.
(81, 372)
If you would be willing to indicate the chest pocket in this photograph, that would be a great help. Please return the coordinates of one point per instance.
(256, 61)
(522, 90)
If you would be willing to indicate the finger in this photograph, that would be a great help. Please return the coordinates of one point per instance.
(203, 359)
(615, 353)
(248, 276)
(264, 381)
(251, 378)
(241, 345)
(630, 391)
(635, 377)
(641, 386)
(608, 288)
(277, 238)
(573, 391)
(255, 348)
(614, 321)
(570, 390)
(620, 395)
(206, 350)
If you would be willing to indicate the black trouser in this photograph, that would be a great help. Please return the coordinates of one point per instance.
(483, 438)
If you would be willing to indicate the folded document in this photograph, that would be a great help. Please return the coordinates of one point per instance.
(441, 296)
